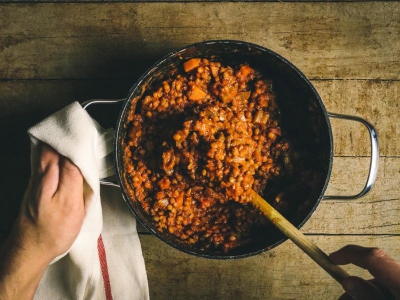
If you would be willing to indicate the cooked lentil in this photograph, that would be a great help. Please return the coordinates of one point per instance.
(197, 144)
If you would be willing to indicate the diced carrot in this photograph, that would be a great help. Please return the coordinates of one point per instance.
(135, 134)
(261, 117)
(164, 183)
(205, 204)
(191, 64)
(196, 93)
(214, 70)
(227, 96)
(244, 96)
(179, 200)
(245, 70)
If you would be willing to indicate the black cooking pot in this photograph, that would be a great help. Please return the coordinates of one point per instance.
(303, 117)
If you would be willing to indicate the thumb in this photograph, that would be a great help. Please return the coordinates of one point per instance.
(360, 289)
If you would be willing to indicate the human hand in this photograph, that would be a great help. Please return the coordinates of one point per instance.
(53, 210)
(386, 272)
(49, 221)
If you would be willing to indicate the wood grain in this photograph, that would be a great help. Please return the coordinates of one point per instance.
(325, 40)
(377, 213)
(375, 100)
(54, 53)
(282, 273)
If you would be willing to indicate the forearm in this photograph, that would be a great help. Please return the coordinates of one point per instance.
(21, 269)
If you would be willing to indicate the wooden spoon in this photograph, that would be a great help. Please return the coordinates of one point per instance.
(298, 237)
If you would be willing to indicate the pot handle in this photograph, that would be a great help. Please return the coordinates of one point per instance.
(85, 105)
(373, 167)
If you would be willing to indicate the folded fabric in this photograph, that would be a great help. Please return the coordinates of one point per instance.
(105, 261)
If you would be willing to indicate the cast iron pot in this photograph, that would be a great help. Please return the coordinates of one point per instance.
(304, 117)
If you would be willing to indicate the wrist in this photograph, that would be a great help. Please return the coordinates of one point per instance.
(27, 250)
(23, 268)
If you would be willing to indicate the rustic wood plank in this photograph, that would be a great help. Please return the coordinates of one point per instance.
(374, 100)
(282, 273)
(25, 102)
(43, 97)
(375, 214)
(329, 40)
(98, 51)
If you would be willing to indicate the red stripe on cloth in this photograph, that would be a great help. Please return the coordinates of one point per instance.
(104, 268)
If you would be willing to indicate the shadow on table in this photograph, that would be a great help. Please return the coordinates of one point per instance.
(15, 148)
(102, 71)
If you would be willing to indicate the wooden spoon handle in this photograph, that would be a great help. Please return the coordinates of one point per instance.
(298, 238)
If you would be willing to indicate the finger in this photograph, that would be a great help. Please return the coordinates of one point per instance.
(360, 289)
(385, 269)
(351, 254)
(71, 180)
(47, 158)
(48, 171)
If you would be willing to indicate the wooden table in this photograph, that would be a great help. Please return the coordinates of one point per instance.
(54, 53)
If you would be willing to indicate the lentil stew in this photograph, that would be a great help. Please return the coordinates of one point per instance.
(204, 136)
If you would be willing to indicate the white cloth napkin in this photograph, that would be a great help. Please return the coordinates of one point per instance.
(105, 261)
